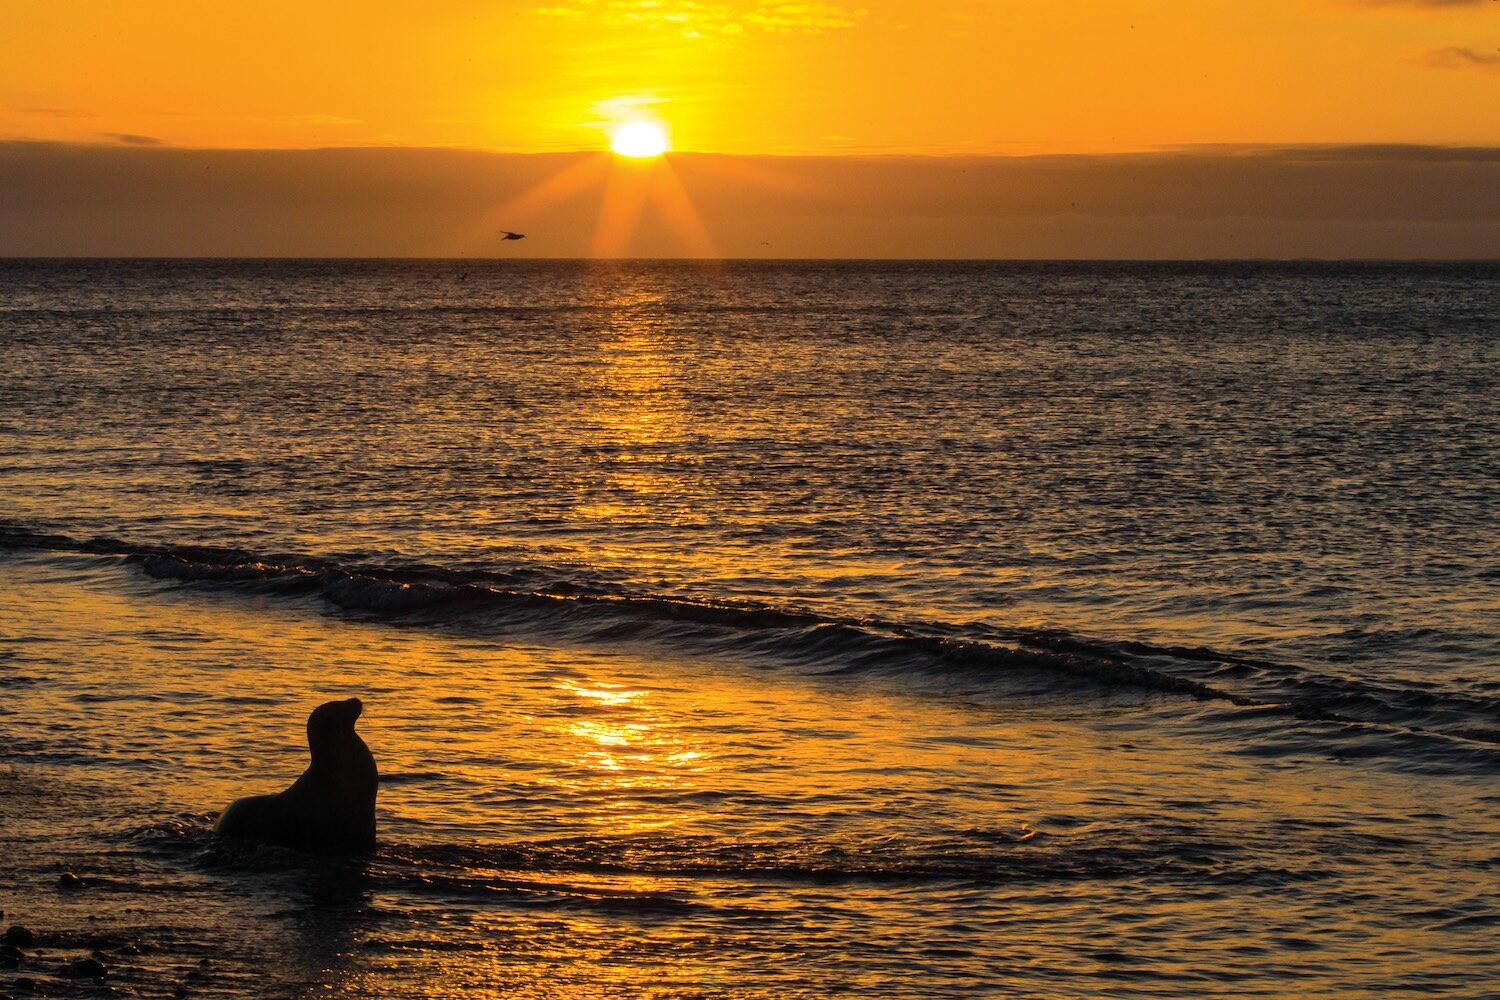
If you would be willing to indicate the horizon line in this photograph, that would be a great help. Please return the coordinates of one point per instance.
(1248, 149)
(394, 258)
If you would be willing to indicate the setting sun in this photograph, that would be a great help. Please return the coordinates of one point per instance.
(639, 140)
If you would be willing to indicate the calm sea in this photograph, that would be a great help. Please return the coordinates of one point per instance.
(758, 629)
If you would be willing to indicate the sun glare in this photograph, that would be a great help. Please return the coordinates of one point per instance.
(640, 140)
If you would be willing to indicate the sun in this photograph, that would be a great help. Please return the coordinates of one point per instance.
(639, 140)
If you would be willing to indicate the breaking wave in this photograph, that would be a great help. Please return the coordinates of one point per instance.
(1039, 661)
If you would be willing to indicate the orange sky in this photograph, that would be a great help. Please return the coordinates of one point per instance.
(754, 76)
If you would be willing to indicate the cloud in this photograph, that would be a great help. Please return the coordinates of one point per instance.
(1427, 4)
(131, 139)
(1459, 57)
(1320, 201)
(320, 119)
(56, 112)
(700, 19)
(804, 18)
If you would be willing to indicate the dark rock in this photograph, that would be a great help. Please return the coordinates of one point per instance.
(19, 936)
(67, 880)
(84, 968)
(25, 983)
(10, 956)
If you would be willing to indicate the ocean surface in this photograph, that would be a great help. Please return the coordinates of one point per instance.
(900, 630)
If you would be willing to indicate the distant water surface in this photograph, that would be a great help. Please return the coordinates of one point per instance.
(764, 629)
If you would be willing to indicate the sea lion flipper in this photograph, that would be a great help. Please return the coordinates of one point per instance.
(249, 818)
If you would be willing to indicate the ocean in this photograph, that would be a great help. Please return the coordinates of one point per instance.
(757, 629)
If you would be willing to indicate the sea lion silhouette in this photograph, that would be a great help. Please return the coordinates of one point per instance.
(331, 808)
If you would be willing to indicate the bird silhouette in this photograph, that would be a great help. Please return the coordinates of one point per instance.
(512, 236)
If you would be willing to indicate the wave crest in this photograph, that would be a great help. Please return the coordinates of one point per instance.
(1023, 661)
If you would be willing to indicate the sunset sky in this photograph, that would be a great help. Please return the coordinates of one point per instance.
(749, 78)
(752, 76)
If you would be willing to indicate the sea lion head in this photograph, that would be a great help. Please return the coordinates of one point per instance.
(332, 722)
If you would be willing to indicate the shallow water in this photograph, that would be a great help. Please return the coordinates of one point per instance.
(760, 630)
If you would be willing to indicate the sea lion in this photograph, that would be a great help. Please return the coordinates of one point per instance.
(331, 808)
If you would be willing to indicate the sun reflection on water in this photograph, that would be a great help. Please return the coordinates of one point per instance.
(611, 695)
(622, 753)
(636, 422)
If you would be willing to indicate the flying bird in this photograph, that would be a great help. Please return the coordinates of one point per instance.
(512, 236)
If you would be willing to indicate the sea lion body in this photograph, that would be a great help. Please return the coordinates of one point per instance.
(331, 808)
